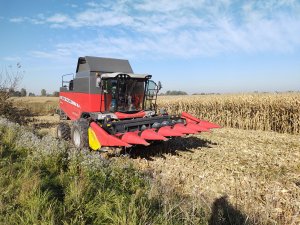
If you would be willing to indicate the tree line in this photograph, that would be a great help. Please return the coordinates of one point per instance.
(174, 92)
(23, 93)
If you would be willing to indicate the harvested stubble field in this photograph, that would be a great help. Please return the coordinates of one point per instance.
(257, 173)
(232, 173)
(38, 105)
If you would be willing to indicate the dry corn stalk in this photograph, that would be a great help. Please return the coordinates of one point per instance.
(276, 112)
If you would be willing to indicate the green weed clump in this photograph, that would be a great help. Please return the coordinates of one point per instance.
(44, 181)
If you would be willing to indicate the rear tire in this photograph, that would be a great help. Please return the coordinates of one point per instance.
(79, 133)
(63, 131)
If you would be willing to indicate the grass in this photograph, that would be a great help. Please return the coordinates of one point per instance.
(44, 181)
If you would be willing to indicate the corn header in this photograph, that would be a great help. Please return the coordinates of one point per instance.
(110, 106)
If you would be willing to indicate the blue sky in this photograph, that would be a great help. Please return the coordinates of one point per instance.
(189, 45)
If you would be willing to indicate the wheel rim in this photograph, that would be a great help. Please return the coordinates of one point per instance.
(76, 138)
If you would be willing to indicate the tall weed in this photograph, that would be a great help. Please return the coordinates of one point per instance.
(51, 183)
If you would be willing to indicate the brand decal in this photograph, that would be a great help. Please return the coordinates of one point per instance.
(69, 101)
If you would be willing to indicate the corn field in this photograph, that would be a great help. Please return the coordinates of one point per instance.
(271, 112)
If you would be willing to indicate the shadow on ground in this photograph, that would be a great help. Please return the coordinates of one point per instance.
(173, 146)
(223, 213)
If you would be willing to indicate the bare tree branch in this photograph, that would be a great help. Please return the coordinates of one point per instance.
(10, 78)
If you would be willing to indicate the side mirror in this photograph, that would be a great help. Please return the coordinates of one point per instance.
(159, 85)
(98, 82)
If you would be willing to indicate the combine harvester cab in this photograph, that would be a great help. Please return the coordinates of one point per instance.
(110, 106)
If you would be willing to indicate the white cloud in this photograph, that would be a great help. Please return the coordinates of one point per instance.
(224, 36)
(59, 53)
(95, 18)
(73, 5)
(180, 28)
(168, 6)
(12, 58)
(36, 21)
(92, 4)
(17, 19)
(39, 19)
(58, 18)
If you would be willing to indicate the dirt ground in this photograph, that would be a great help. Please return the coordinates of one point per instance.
(256, 172)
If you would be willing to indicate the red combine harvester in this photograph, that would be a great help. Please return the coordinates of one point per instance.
(110, 106)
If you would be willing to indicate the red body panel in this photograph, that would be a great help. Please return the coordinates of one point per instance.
(150, 134)
(134, 138)
(188, 116)
(129, 116)
(74, 103)
(169, 132)
(181, 128)
(209, 124)
(197, 127)
(106, 139)
(202, 123)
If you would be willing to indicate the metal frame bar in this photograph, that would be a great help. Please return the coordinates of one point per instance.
(123, 126)
(66, 82)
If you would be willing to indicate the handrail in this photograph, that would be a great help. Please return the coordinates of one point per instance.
(66, 82)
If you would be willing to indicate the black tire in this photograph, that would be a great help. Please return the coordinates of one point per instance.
(79, 133)
(62, 115)
(63, 131)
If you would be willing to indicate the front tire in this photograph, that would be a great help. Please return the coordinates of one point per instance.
(79, 133)
(63, 131)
